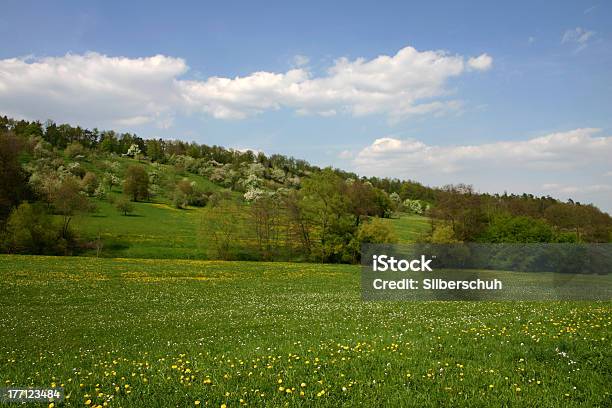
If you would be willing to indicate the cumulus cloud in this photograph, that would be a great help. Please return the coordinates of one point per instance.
(92, 86)
(97, 88)
(577, 36)
(541, 165)
(564, 150)
(483, 62)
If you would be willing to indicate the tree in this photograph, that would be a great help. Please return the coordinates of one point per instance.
(521, 229)
(13, 180)
(111, 180)
(68, 201)
(265, 214)
(134, 151)
(74, 150)
(221, 224)
(443, 234)
(90, 183)
(123, 205)
(31, 230)
(183, 192)
(136, 183)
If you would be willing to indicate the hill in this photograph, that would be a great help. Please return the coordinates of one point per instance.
(102, 193)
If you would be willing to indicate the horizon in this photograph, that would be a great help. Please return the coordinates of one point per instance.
(502, 99)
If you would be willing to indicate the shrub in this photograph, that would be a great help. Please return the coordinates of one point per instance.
(100, 192)
(376, 231)
(90, 183)
(124, 206)
(31, 230)
(74, 150)
(136, 183)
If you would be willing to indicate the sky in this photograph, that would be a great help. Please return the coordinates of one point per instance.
(509, 97)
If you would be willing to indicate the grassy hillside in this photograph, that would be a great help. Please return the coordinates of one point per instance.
(170, 333)
(157, 229)
(409, 227)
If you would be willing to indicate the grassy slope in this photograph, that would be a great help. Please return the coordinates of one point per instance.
(409, 227)
(149, 324)
(155, 230)
(158, 230)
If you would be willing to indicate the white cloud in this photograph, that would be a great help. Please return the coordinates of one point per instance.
(483, 62)
(577, 36)
(95, 88)
(561, 160)
(91, 87)
(564, 150)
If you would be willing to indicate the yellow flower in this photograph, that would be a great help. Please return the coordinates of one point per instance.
(302, 385)
(197, 402)
(491, 385)
(51, 405)
(223, 406)
(87, 402)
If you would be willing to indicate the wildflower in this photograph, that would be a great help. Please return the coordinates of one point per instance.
(303, 385)
(197, 402)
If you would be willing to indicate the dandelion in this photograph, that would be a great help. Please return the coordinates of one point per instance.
(197, 402)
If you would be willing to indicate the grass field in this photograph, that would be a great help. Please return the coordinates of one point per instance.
(409, 227)
(160, 333)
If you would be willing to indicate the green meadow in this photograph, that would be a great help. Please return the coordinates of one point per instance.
(185, 333)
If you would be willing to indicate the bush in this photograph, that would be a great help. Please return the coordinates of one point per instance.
(376, 231)
(90, 183)
(125, 206)
(100, 192)
(31, 230)
(136, 183)
(74, 150)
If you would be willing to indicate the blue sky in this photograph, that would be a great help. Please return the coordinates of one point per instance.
(532, 114)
